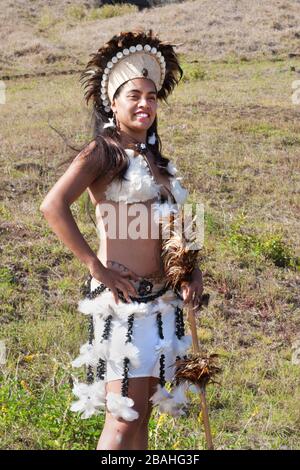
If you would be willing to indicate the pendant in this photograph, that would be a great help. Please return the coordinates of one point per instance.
(141, 147)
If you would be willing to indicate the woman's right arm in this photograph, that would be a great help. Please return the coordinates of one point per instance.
(84, 169)
(56, 205)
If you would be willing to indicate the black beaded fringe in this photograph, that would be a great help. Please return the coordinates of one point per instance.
(90, 372)
(180, 331)
(162, 379)
(179, 322)
(126, 362)
(101, 366)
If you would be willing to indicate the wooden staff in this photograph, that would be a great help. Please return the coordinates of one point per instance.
(196, 350)
(179, 262)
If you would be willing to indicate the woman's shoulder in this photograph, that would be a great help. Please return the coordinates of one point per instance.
(95, 158)
(87, 154)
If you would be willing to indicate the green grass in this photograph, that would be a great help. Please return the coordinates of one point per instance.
(193, 71)
(253, 407)
(45, 415)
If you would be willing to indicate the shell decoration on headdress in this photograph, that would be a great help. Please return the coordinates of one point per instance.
(128, 55)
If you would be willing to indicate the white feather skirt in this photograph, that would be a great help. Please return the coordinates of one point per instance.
(148, 343)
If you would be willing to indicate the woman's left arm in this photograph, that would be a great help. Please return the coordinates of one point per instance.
(192, 291)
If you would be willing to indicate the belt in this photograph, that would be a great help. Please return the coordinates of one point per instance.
(144, 287)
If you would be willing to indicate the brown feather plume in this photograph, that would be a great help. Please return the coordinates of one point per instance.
(197, 369)
(178, 258)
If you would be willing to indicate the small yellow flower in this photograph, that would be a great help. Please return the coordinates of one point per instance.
(255, 411)
(176, 445)
(30, 357)
(162, 419)
(25, 386)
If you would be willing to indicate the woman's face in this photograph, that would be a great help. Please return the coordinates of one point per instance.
(136, 105)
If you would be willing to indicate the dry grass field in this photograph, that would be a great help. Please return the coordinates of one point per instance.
(233, 128)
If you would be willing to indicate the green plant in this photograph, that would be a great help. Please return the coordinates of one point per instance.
(193, 71)
(270, 245)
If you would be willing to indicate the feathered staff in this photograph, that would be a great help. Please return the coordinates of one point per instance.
(199, 370)
(179, 262)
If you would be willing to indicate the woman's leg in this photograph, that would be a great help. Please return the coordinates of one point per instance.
(141, 437)
(119, 434)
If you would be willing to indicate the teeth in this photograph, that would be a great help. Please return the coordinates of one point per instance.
(142, 115)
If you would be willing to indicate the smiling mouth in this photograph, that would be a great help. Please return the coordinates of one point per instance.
(142, 115)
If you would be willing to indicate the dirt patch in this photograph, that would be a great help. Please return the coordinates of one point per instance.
(256, 111)
(16, 231)
(30, 167)
(11, 190)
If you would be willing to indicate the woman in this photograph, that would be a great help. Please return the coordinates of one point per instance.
(137, 328)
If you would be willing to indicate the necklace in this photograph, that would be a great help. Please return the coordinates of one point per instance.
(141, 147)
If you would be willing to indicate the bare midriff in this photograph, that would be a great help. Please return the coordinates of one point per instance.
(141, 252)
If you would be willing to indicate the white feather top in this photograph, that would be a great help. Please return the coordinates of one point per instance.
(140, 184)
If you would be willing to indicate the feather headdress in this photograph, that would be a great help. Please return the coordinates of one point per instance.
(128, 55)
